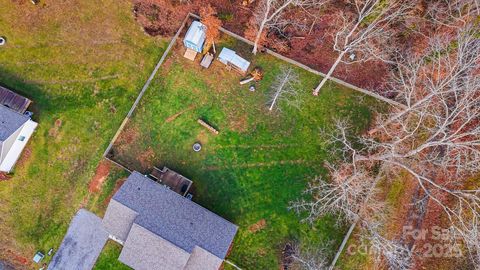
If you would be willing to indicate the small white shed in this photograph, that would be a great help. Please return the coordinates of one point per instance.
(195, 37)
(15, 131)
(229, 57)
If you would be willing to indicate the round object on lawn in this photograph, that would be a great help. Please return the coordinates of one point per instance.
(252, 88)
(197, 147)
(3, 40)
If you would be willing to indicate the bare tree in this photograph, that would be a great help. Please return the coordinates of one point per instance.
(435, 139)
(285, 88)
(389, 252)
(269, 14)
(345, 195)
(364, 33)
(452, 13)
(313, 259)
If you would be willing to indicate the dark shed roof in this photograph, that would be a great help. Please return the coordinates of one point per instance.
(13, 100)
(175, 218)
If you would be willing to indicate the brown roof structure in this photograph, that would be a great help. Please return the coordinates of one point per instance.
(13, 100)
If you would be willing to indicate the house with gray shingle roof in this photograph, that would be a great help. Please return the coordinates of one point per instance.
(160, 229)
(16, 128)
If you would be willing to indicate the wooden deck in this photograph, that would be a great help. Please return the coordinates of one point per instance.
(172, 179)
(13, 100)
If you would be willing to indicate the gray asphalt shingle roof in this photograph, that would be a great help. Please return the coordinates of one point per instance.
(10, 121)
(175, 218)
(82, 244)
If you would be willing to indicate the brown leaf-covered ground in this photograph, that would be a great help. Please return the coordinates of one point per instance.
(312, 46)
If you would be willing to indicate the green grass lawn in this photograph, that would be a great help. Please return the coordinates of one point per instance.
(82, 63)
(108, 259)
(259, 162)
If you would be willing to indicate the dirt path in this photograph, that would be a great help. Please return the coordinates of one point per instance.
(173, 117)
(101, 174)
(260, 146)
(258, 164)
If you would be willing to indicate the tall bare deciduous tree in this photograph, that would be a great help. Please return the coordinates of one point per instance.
(312, 259)
(285, 89)
(269, 14)
(364, 32)
(435, 139)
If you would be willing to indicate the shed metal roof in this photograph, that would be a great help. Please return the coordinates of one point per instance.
(228, 56)
(13, 100)
(196, 34)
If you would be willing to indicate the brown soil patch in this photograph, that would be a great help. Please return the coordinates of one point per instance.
(202, 137)
(26, 154)
(239, 123)
(146, 158)
(4, 176)
(260, 225)
(17, 258)
(101, 174)
(128, 135)
(118, 184)
(53, 132)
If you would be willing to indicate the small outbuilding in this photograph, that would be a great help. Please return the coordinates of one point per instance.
(195, 37)
(16, 127)
(206, 60)
(230, 58)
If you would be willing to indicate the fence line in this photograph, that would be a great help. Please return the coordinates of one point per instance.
(277, 55)
(309, 69)
(342, 246)
(145, 86)
(118, 164)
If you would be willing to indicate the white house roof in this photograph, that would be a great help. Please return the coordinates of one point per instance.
(196, 33)
(230, 56)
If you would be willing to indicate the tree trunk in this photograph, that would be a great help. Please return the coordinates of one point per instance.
(329, 74)
(257, 38)
(280, 88)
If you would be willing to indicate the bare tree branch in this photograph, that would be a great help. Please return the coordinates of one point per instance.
(315, 259)
(269, 15)
(365, 32)
(285, 88)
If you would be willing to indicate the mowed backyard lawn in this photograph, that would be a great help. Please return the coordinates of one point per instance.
(258, 163)
(82, 63)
